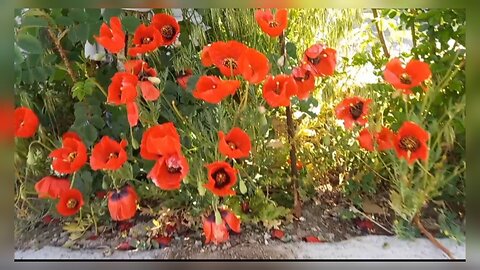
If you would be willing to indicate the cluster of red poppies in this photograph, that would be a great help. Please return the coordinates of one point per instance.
(410, 141)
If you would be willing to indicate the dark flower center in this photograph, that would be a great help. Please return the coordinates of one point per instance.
(112, 156)
(173, 165)
(146, 40)
(232, 145)
(405, 78)
(71, 203)
(356, 110)
(143, 76)
(118, 194)
(168, 31)
(273, 24)
(230, 63)
(277, 89)
(409, 143)
(318, 59)
(305, 77)
(221, 178)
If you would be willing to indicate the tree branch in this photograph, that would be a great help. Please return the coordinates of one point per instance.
(430, 237)
(380, 33)
(60, 50)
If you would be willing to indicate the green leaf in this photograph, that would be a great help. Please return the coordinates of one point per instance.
(29, 43)
(18, 56)
(78, 14)
(88, 133)
(79, 32)
(111, 12)
(243, 187)
(130, 23)
(201, 189)
(64, 21)
(291, 50)
(31, 21)
(192, 82)
(218, 217)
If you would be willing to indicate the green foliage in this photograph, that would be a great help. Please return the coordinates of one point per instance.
(329, 154)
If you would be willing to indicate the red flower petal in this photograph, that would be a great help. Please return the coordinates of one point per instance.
(312, 239)
(213, 90)
(221, 185)
(163, 241)
(124, 246)
(278, 90)
(365, 138)
(70, 202)
(26, 122)
(232, 221)
(132, 113)
(272, 26)
(253, 65)
(236, 144)
(277, 234)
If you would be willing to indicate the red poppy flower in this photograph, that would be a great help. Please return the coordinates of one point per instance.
(167, 26)
(146, 39)
(159, 139)
(143, 71)
(113, 37)
(272, 26)
(71, 156)
(406, 78)
(305, 81)
(122, 204)
(299, 164)
(411, 142)
(353, 110)
(26, 122)
(108, 154)
(205, 56)
(385, 139)
(225, 56)
(70, 202)
(365, 138)
(213, 90)
(221, 178)
(123, 88)
(253, 66)
(236, 144)
(183, 77)
(322, 60)
(278, 90)
(219, 233)
(51, 187)
(169, 171)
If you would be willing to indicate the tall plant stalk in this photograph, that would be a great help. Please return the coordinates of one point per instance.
(297, 205)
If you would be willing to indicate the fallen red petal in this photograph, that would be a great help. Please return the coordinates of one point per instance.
(124, 246)
(365, 224)
(125, 226)
(277, 234)
(93, 237)
(47, 219)
(312, 239)
(163, 241)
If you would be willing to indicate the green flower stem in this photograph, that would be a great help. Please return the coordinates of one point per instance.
(73, 180)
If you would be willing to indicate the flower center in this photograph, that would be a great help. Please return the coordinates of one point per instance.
(356, 110)
(72, 156)
(232, 145)
(273, 24)
(230, 63)
(71, 203)
(409, 143)
(112, 156)
(277, 89)
(173, 165)
(405, 78)
(146, 40)
(168, 31)
(305, 77)
(221, 178)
